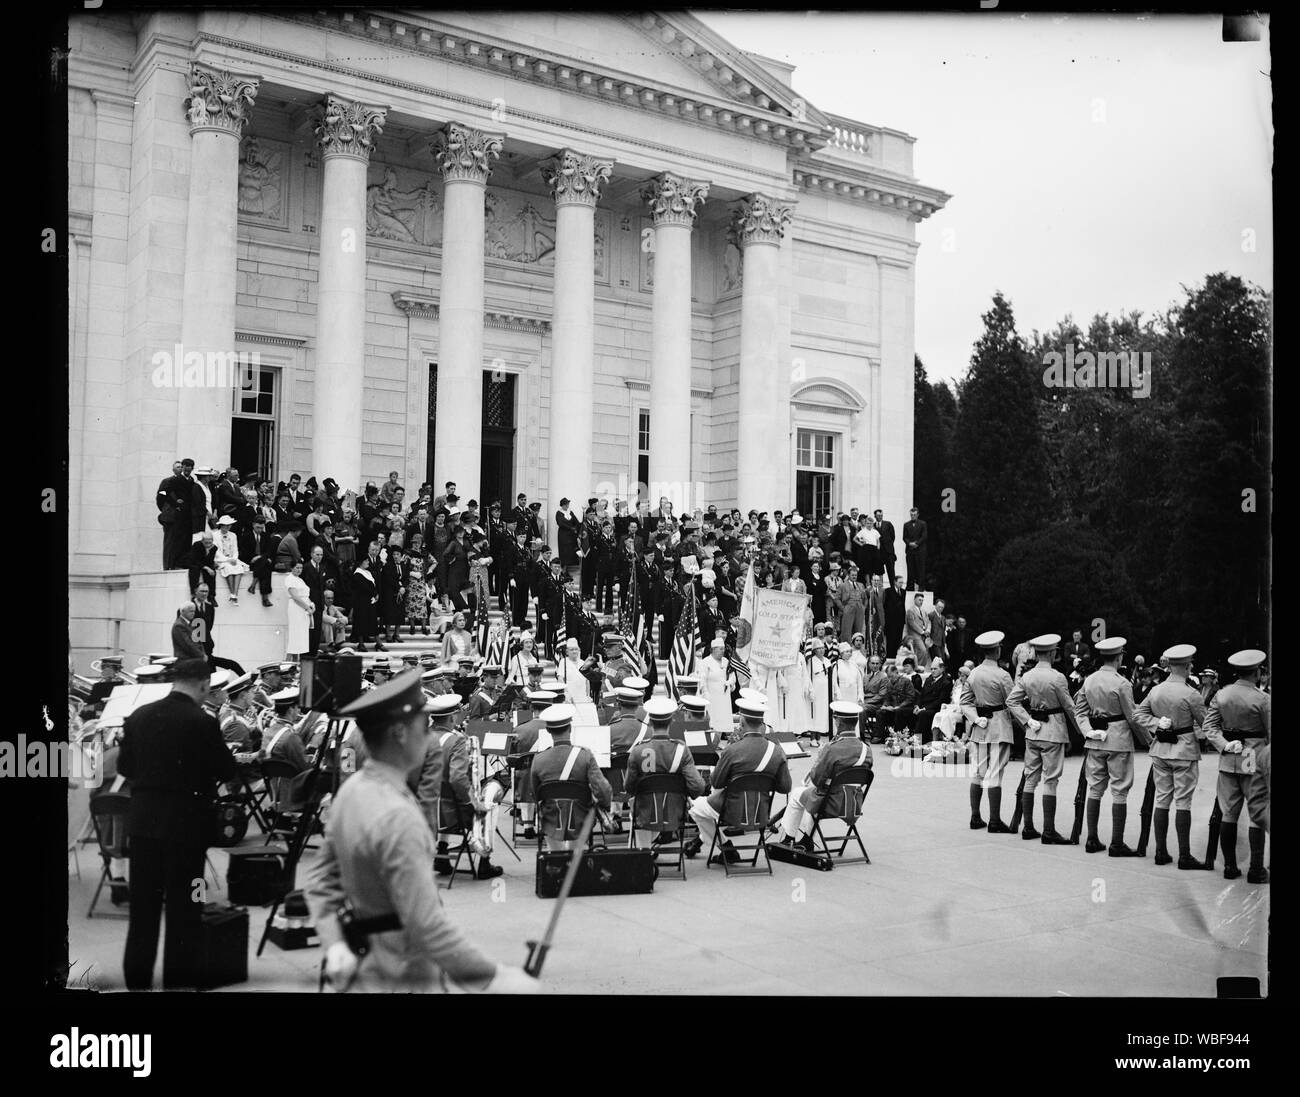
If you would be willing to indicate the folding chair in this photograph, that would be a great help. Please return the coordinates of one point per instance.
(746, 808)
(659, 804)
(572, 801)
(108, 811)
(281, 823)
(619, 810)
(521, 792)
(461, 828)
(852, 785)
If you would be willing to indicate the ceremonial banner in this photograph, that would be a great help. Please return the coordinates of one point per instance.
(778, 628)
(745, 623)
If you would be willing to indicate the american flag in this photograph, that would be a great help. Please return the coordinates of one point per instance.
(686, 644)
(741, 669)
(631, 623)
(481, 624)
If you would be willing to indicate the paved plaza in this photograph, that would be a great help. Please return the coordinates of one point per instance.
(941, 910)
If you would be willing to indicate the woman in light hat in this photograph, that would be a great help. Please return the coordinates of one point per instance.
(571, 670)
(716, 685)
(229, 566)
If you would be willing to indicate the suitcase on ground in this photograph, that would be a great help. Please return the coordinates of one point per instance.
(600, 872)
(256, 878)
(801, 857)
(222, 959)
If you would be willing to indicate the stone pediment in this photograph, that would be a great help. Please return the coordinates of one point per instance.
(828, 393)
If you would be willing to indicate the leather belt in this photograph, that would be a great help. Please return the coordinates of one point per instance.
(1100, 721)
(1041, 714)
(1236, 735)
(989, 710)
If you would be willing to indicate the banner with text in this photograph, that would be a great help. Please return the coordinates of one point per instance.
(778, 628)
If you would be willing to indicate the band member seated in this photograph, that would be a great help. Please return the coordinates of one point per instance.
(1041, 701)
(844, 751)
(283, 742)
(435, 682)
(526, 738)
(752, 753)
(236, 726)
(110, 677)
(459, 801)
(658, 753)
(374, 866)
(625, 728)
(693, 715)
(466, 678)
(270, 679)
(481, 701)
(1173, 714)
(563, 761)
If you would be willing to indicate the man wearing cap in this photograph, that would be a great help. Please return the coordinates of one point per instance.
(374, 867)
(284, 743)
(1105, 705)
(484, 696)
(984, 704)
(844, 751)
(236, 725)
(659, 753)
(457, 800)
(627, 728)
(614, 666)
(563, 761)
(1239, 724)
(1041, 701)
(517, 570)
(527, 736)
(1173, 713)
(752, 753)
(110, 677)
(269, 681)
(173, 755)
(182, 511)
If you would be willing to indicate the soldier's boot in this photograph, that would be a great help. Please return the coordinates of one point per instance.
(996, 825)
(1183, 827)
(1118, 817)
(1228, 844)
(486, 869)
(1257, 873)
(1050, 836)
(441, 863)
(1093, 816)
(1161, 820)
(1027, 831)
(976, 822)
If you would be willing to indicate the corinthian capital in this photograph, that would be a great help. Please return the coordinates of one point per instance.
(575, 178)
(760, 220)
(219, 100)
(673, 199)
(464, 153)
(347, 128)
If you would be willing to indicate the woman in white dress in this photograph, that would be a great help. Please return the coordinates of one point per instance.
(819, 669)
(846, 679)
(777, 689)
(229, 566)
(301, 610)
(798, 697)
(716, 685)
(569, 671)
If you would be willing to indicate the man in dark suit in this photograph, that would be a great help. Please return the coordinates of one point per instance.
(523, 516)
(421, 524)
(958, 642)
(173, 754)
(895, 615)
(914, 530)
(182, 511)
(299, 500)
(205, 618)
(227, 498)
(1077, 648)
(935, 692)
(313, 574)
(938, 631)
(888, 555)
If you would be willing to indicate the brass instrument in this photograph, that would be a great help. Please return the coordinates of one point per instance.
(478, 829)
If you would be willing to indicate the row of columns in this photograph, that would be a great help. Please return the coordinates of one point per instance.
(218, 106)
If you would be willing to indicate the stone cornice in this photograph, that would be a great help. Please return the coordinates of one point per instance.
(422, 35)
(422, 305)
(270, 339)
(891, 192)
(637, 385)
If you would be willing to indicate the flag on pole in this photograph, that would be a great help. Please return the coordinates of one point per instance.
(681, 660)
(482, 625)
(630, 624)
(745, 623)
(741, 670)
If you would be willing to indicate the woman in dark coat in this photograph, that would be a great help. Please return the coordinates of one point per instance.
(568, 526)
(453, 569)
(392, 590)
(365, 596)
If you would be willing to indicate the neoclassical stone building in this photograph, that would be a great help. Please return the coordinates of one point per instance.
(552, 253)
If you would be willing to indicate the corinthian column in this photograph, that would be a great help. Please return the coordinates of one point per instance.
(673, 201)
(464, 156)
(218, 106)
(761, 417)
(346, 134)
(575, 181)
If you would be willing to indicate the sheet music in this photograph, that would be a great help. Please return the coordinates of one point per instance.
(596, 740)
(124, 700)
(495, 741)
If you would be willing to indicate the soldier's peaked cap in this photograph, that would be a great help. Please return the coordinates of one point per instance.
(1247, 659)
(1179, 653)
(1112, 645)
(990, 639)
(394, 700)
(660, 709)
(1045, 642)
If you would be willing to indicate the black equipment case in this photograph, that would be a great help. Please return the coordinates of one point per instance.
(600, 872)
(222, 946)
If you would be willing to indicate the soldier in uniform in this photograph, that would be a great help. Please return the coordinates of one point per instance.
(526, 739)
(659, 753)
(216, 692)
(458, 800)
(562, 761)
(1172, 713)
(984, 705)
(615, 668)
(1041, 701)
(110, 677)
(373, 868)
(236, 727)
(269, 680)
(1239, 724)
(626, 729)
(1105, 703)
(481, 701)
(752, 753)
(844, 751)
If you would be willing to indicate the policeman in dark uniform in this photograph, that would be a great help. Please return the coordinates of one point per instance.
(752, 753)
(1173, 714)
(173, 755)
(658, 753)
(984, 705)
(1041, 701)
(373, 867)
(563, 761)
(845, 751)
(1105, 705)
(1239, 724)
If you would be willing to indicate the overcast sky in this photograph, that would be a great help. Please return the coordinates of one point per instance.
(1096, 162)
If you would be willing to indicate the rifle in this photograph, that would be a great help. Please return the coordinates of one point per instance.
(537, 950)
(1020, 805)
(1148, 805)
(1080, 798)
(1216, 820)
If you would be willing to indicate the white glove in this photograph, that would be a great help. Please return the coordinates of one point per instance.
(1094, 734)
(1033, 725)
(1233, 747)
(512, 980)
(340, 964)
(1165, 723)
(983, 721)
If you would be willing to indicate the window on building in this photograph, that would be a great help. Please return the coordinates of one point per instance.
(814, 471)
(253, 432)
(643, 446)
